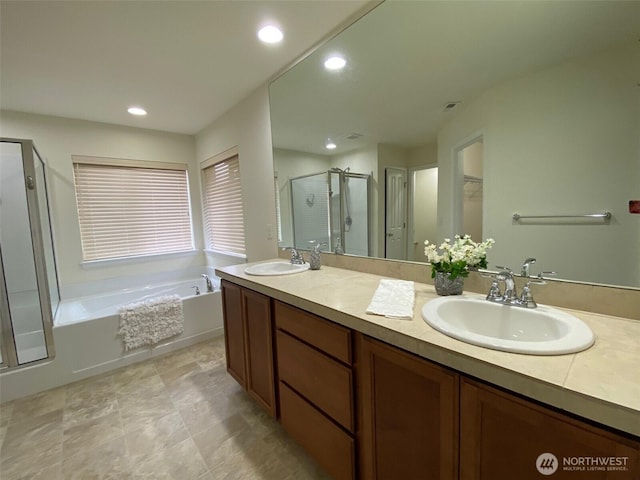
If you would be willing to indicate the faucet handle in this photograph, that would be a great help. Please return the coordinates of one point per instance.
(548, 274)
(540, 280)
(526, 298)
(486, 273)
(494, 290)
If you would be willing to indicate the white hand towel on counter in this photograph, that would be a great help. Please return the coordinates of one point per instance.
(393, 299)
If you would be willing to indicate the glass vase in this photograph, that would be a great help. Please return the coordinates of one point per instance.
(445, 286)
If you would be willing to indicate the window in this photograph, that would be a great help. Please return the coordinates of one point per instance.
(131, 208)
(223, 212)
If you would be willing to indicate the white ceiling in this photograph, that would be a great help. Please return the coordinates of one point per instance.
(186, 62)
(395, 86)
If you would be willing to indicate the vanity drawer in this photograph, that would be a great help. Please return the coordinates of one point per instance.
(321, 380)
(327, 336)
(328, 444)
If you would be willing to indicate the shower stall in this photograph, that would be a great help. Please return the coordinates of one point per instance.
(331, 207)
(29, 292)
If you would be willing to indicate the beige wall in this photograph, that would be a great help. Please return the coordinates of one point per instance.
(57, 139)
(248, 127)
(541, 133)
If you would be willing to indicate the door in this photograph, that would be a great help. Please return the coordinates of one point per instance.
(234, 331)
(503, 437)
(259, 349)
(408, 414)
(395, 213)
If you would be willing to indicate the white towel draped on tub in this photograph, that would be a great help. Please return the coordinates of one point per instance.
(151, 321)
(393, 299)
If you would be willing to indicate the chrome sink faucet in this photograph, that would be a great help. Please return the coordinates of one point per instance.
(510, 296)
(526, 267)
(296, 257)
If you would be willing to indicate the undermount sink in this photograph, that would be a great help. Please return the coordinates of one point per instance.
(276, 268)
(536, 331)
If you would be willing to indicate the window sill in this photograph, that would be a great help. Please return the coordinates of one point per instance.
(137, 259)
(225, 254)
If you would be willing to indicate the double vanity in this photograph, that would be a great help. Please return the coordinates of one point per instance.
(375, 397)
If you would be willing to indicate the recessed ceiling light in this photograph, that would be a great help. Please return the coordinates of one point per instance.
(270, 34)
(137, 111)
(330, 145)
(334, 63)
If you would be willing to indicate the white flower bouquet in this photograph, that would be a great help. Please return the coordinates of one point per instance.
(456, 258)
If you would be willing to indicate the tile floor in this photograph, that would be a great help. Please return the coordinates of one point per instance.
(180, 416)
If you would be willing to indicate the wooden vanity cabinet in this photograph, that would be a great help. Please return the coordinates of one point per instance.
(315, 374)
(408, 415)
(368, 410)
(502, 435)
(249, 342)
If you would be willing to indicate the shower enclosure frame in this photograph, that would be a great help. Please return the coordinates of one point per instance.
(7, 340)
(342, 175)
(344, 208)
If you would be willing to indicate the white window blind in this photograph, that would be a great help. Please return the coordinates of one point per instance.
(223, 212)
(128, 208)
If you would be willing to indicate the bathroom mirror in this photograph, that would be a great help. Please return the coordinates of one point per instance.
(549, 91)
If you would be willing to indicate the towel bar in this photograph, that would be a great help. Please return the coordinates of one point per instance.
(603, 215)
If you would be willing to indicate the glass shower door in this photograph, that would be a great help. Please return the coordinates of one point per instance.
(310, 210)
(29, 290)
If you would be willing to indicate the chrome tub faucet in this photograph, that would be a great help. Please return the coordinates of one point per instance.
(208, 281)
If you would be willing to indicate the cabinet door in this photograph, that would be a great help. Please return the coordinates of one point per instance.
(234, 331)
(259, 349)
(408, 415)
(502, 437)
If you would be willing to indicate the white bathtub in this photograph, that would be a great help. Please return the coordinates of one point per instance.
(107, 304)
(86, 340)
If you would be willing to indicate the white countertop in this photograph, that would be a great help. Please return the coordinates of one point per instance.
(601, 383)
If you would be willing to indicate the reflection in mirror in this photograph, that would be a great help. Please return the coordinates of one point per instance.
(330, 208)
(471, 160)
(423, 218)
(551, 89)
